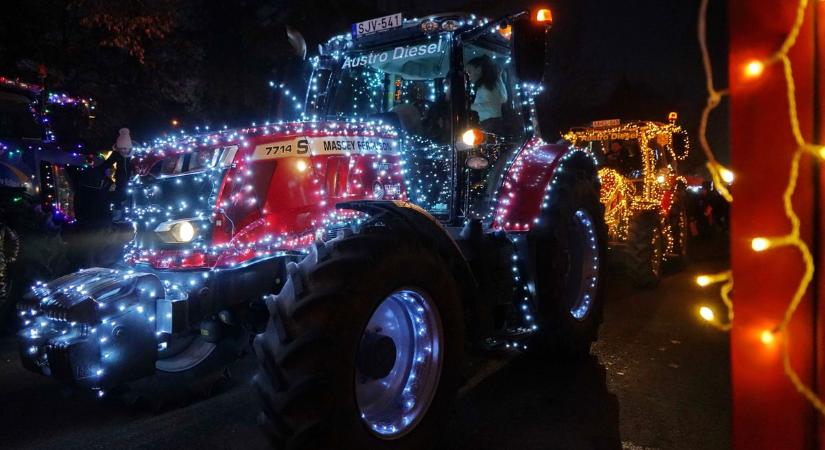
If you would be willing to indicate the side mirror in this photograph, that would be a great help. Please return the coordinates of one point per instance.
(296, 40)
(530, 47)
(680, 145)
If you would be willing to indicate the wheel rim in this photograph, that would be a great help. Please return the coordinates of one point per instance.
(183, 353)
(398, 363)
(585, 257)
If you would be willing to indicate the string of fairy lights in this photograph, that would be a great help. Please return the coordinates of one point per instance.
(754, 69)
(717, 172)
(39, 108)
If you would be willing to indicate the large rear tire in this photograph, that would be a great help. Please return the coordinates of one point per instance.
(570, 253)
(645, 249)
(338, 366)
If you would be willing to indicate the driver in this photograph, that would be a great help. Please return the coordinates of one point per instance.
(491, 93)
(409, 113)
(622, 157)
(613, 155)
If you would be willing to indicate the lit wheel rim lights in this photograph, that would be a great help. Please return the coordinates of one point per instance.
(398, 363)
(584, 265)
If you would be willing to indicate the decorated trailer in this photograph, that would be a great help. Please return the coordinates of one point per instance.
(642, 191)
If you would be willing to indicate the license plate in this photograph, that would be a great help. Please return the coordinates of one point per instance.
(606, 123)
(376, 25)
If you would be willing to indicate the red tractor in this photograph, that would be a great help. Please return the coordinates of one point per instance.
(414, 218)
(499, 247)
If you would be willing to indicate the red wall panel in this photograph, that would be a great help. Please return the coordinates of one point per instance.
(768, 413)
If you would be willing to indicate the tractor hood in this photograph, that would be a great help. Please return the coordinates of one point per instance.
(201, 198)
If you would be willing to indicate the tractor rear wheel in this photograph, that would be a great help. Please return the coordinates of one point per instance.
(363, 347)
(570, 248)
(645, 249)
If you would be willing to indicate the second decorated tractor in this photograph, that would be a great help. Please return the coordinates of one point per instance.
(45, 146)
(642, 191)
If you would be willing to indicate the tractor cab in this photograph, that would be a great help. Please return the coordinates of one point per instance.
(43, 143)
(451, 85)
(644, 154)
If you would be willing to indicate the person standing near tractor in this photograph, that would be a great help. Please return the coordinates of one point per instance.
(102, 198)
(118, 166)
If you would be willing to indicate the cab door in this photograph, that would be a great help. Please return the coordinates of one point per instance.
(497, 113)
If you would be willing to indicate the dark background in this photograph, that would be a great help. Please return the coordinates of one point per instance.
(209, 62)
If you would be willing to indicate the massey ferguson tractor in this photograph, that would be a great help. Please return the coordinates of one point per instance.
(500, 245)
(642, 192)
(407, 228)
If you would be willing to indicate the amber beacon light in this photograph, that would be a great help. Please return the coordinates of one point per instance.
(543, 15)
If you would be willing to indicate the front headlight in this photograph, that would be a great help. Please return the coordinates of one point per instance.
(183, 231)
(176, 231)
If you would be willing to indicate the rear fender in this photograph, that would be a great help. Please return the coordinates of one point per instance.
(523, 191)
(673, 196)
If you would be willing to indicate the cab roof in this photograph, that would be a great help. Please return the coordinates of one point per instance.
(410, 29)
(625, 125)
(620, 130)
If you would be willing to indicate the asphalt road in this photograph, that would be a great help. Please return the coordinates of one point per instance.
(658, 379)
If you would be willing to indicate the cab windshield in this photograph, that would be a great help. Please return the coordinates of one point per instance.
(17, 118)
(621, 155)
(69, 122)
(404, 85)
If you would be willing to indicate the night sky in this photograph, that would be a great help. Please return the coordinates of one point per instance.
(630, 59)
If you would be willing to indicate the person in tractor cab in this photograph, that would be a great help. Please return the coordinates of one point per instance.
(490, 93)
(622, 158)
(411, 112)
(421, 115)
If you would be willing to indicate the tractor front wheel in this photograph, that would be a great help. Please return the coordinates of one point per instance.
(189, 368)
(570, 250)
(363, 347)
(645, 249)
